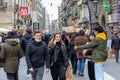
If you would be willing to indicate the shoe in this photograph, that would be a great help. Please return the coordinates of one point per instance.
(82, 74)
(28, 75)
(79, 73)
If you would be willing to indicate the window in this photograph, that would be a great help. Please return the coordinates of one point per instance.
(1, 2)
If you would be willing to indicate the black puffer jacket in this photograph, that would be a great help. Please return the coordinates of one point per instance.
(54, 52)
(37, 54)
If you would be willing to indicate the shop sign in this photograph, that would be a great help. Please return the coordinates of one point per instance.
(23, 11)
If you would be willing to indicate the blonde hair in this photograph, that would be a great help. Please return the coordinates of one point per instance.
(53, 38)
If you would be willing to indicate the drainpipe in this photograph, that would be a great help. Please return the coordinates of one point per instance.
(14, 12)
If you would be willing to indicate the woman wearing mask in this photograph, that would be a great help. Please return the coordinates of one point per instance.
(58, 60)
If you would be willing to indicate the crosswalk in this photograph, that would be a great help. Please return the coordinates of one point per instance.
(108, 77)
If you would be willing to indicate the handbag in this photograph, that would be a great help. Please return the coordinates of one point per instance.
(69, 74)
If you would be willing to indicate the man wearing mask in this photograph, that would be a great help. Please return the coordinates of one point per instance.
(36, 56)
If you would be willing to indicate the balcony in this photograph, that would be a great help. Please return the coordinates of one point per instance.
(75, 13)
(84, 1)
(74, 2)
(3, 5)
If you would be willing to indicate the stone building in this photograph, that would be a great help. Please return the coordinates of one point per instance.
(76, 11)
(10, 13)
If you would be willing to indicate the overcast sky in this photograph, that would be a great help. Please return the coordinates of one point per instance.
(52, 9)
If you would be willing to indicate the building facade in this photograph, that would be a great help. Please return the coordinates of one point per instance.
(76, 13)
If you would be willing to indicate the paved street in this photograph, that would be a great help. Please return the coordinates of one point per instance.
(112, 72)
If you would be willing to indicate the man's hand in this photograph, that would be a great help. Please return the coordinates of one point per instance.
(75, 47)
(31, 69)
(47, 70)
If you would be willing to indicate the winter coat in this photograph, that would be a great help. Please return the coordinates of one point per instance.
(72, 50)
(37, 54)
(99, 48)
(10, 54)
(26, 40)
(80, 40)
(54, 52)
(115, 44)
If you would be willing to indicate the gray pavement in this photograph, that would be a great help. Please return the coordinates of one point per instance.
(112, 72)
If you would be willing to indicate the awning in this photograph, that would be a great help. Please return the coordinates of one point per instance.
(4, 30)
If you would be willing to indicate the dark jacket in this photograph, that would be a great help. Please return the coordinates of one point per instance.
(72, 50)
(54, 51)
(37, 54)
(26, 40)
(10, 54)
(115, 44)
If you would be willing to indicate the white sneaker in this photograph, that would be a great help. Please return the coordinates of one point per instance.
(28, 75)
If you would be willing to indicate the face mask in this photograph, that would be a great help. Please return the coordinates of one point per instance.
(37, 40)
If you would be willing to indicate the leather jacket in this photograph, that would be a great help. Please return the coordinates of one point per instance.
(54, 51)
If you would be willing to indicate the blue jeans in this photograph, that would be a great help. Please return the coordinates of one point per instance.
(99, 71)
(117, 54)
(28, 71)
(81, 65)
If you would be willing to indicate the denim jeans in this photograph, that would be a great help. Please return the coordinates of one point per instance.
(99, 71)
(37, 74)
(28, 71)
(81, 65)
(117, 54)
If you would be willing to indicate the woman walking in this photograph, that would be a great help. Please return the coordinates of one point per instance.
(58, 59)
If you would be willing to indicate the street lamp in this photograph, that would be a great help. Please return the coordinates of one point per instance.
(88, 4)
(90, 20)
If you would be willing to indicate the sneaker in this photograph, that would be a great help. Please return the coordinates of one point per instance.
(81, 74)
(28, 75)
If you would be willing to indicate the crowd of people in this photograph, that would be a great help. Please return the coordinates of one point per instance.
(55, 53)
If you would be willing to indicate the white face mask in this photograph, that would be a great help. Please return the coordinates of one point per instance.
(37, 40)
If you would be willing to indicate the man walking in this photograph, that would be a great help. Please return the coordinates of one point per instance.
(115, 44)
(36, 55)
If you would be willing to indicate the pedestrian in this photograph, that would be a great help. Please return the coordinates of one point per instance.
(37, 56)
(91, 71)
(66, 40)
(25, 41)
(58, 57)
(73, 55)
(99, 51)
(81, 40)
(115, 45)
(11, 52)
